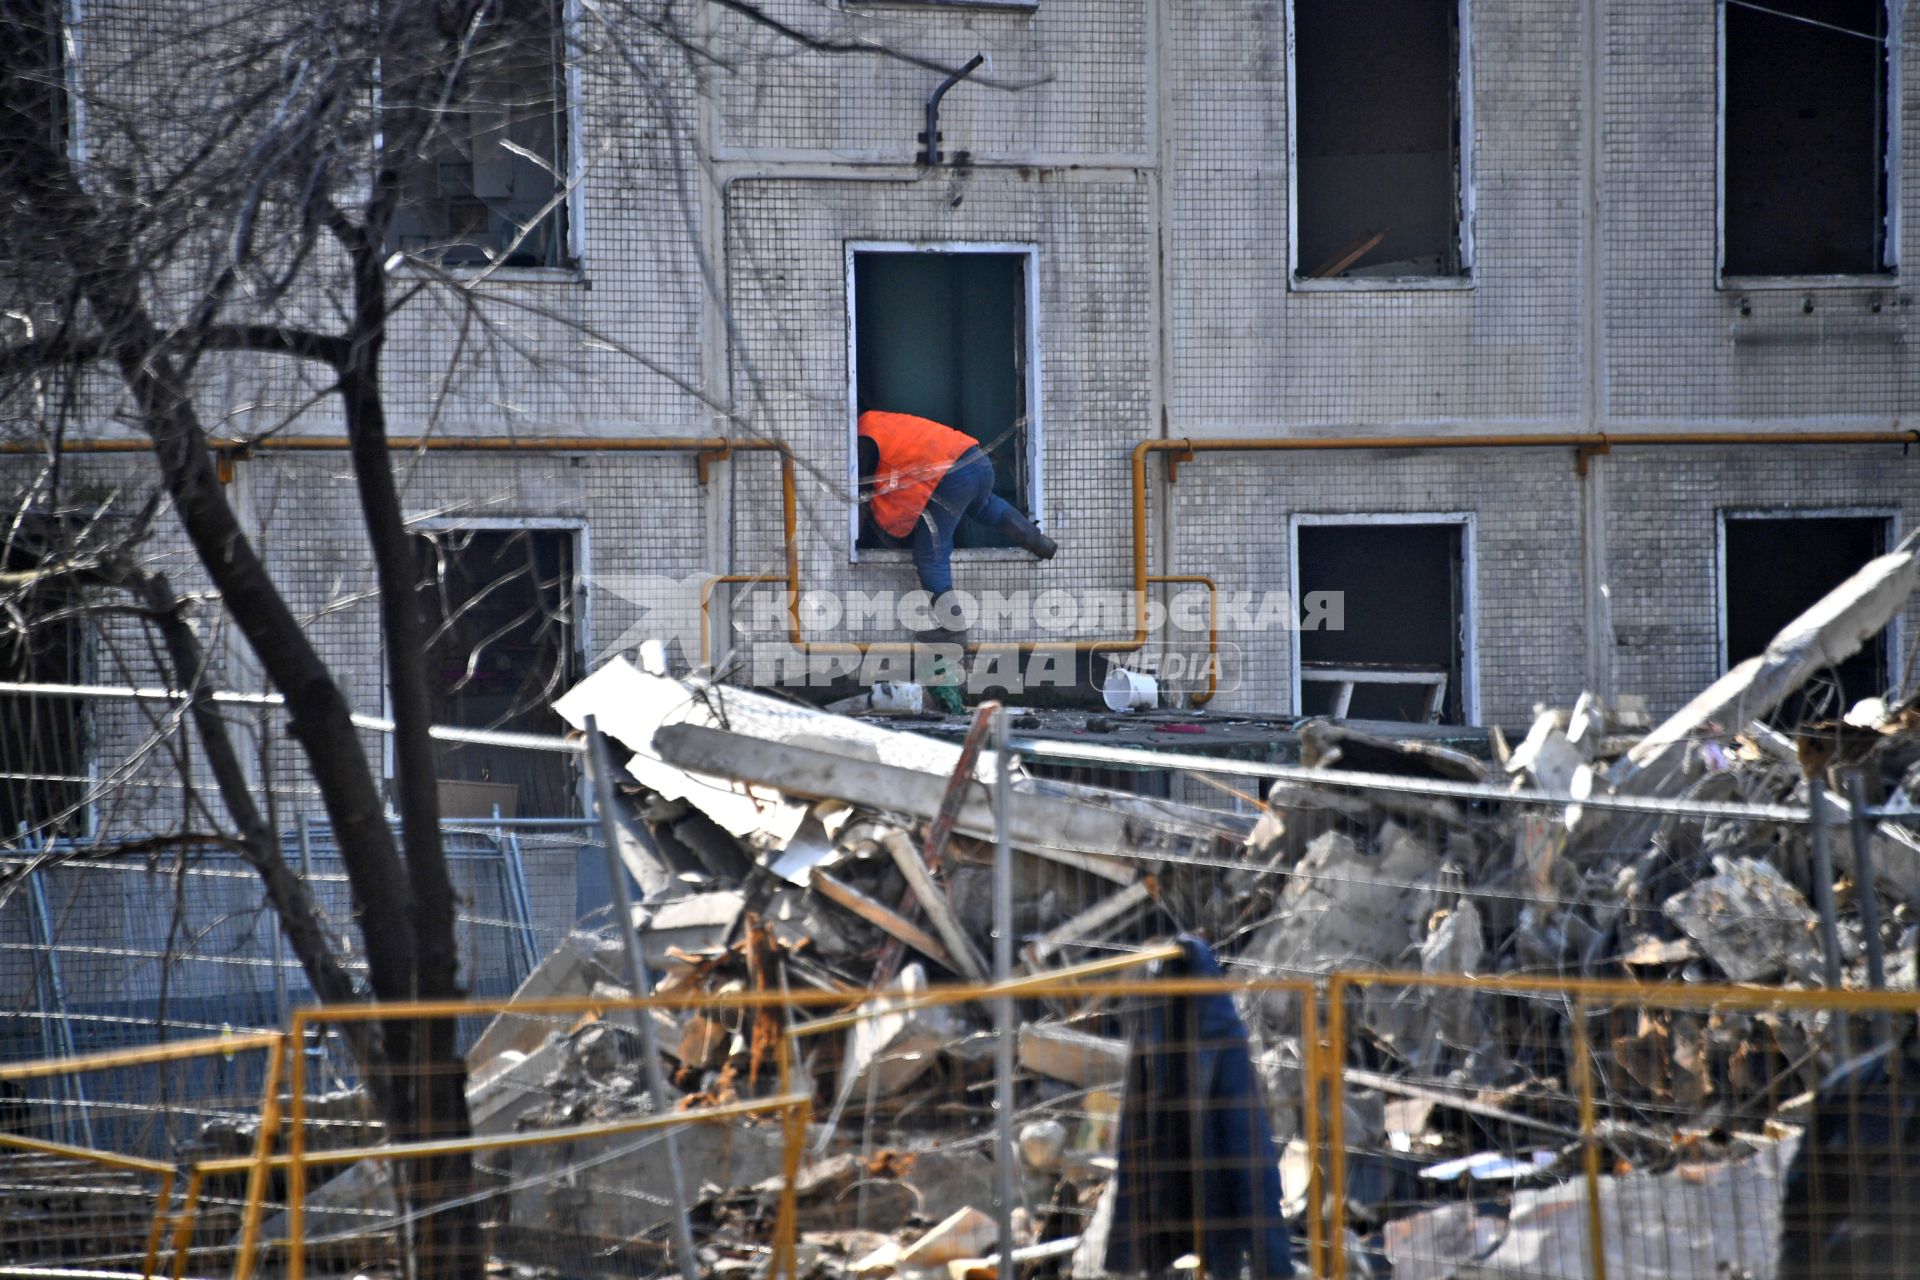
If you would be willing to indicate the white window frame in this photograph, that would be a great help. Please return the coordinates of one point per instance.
(1889, 515)
(1859, 280)
(581, 598)
(1036, 490)
(1467, 522)
(71, 16)
(1468, 204)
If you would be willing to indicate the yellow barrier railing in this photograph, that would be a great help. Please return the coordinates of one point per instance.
(1325, 1023)
(223, 1046)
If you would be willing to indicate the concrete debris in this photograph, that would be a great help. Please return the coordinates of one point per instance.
(785, 848)
(1731, 1209)
(965, 1234)
(893, 1047)
(1750, 921)
(1062, 1053)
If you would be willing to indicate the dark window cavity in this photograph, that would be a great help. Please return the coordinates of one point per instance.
(1377, 109)
(500, 608)
(1775, 568)
(1805, 163)
(37, 97)
(944, 336)
(1401, 652)
(489, 186)
(43, 740)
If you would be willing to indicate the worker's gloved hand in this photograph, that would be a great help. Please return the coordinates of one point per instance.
(944, 668)
(947, 698)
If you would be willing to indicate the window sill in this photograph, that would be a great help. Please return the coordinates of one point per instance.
(548, 277)
(1384, 284)
(963, 555)
(1754, 284)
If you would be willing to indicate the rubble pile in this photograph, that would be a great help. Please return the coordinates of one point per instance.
(780, 848)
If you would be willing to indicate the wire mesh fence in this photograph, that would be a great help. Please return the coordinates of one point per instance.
(1638, 1131)
(1372, 1014)
(101, 952)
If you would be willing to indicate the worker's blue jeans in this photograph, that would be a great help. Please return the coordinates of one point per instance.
(965, 492)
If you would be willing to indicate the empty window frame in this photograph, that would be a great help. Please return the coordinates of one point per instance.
(502, 604)
(41, 36)
(949, 332)
(490, 186)
(1774, 565)
(1808, 107)
(44, 758)
(1405, 649)
(1379, 118)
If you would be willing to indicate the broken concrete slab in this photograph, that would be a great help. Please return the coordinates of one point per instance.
(965, 1233)
(570, 969)
(515, 1086)
(357, 1205)
(701, 923)
(1345, 908)
(1080, 834)
(1824, 636)
(893, 1047)
(1547, 759)
(628, 704)
(1750, 921)
(1731, 1212)
(619, 1187)
(1075, 1057)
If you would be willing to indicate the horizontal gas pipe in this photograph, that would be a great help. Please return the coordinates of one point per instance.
(718, 448)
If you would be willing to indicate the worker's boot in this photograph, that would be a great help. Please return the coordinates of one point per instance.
(1028, 535)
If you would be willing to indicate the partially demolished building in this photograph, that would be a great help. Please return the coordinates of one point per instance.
(1279, 230)
(1428, 361)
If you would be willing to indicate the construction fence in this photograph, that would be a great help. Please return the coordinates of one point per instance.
(1450, 1020)
(1631, 1130)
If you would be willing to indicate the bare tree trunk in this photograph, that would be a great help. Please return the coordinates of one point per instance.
(437, 1082)
(287, 894)
(410, 952)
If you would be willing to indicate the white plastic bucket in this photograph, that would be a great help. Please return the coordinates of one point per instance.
(1129, 690)
(897, 695)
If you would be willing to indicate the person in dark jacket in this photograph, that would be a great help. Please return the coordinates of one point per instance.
(1197, 1172)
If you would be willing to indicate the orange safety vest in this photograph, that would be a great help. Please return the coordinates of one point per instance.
(914, 454)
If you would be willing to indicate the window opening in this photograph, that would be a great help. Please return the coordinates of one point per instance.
(1804, 139)
(1401, 653)
(1774, 568)
(500, 612)
(43, 740)
(489, 187)
(944, 335)
(1378, 163)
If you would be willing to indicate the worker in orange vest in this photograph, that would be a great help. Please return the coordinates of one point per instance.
(919, 480)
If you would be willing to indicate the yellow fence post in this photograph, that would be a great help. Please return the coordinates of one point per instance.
(183, 1226)
(1313, 1068)
(158, 1230)
(1334, 1063)
(1589, 1140)
(786, 1222)
(257, 1180)
(296, 1145)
